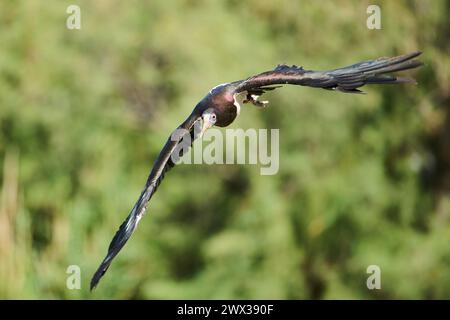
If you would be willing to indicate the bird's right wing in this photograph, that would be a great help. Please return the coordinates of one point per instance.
(174, 148)
(346, 79)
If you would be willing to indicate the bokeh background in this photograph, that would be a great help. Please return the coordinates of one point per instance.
(363, 180)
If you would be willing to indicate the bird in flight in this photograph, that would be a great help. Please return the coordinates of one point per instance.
(222, 105)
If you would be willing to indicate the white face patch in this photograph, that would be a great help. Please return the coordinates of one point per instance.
(239, 100)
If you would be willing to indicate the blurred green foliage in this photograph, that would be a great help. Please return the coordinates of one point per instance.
(364, 179)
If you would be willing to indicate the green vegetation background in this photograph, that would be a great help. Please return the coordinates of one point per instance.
(364, 179)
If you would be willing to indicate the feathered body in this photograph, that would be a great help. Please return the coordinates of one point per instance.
(223, 104)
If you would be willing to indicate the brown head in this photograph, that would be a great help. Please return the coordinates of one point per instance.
(218, 107)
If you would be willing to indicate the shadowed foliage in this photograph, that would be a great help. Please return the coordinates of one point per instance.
(363, 180)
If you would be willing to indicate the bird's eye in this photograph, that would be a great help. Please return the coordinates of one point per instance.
(213, 117)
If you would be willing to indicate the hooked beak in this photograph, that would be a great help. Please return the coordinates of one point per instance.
(206, 124)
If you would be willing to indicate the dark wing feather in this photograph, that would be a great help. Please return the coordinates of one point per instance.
(163, 163)
(346, 79)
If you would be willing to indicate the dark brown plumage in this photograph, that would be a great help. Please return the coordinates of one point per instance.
(222, 105)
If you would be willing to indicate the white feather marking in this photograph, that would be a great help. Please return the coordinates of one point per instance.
(239, 100)
(218, 86)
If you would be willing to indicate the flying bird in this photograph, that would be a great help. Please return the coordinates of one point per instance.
(222, 105)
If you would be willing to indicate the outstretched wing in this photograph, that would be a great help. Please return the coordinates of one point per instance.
(173, 149)
(346, 79)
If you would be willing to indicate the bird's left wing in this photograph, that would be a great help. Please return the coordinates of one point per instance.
(346, 79)
(172, 150)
